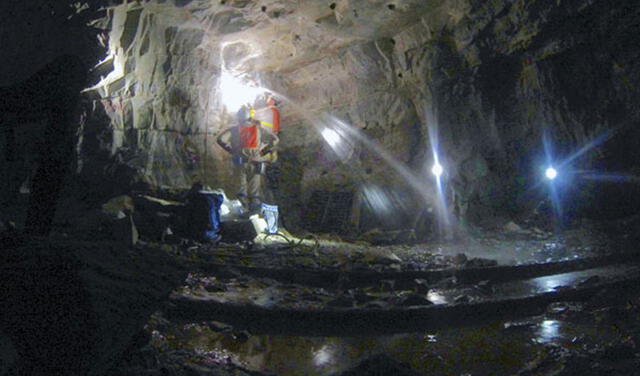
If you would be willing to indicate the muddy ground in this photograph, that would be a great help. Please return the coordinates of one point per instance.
(593, 337)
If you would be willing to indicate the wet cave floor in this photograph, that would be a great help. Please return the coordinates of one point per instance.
(470, 306)
(568, 339)
(590, 335)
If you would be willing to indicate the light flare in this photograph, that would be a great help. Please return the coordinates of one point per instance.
(437, 170)
(236, 87)
(553, 189)
(604, 136)
(237, 92)
(551, 173)
(350, 135)
(324, 356)
(332, 137)
(377, 199)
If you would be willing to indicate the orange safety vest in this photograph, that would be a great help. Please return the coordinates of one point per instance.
(268, 116)
(248, 136)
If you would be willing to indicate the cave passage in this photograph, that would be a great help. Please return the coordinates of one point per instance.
(197, 187)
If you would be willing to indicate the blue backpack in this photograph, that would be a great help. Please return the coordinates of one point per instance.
(201, 216)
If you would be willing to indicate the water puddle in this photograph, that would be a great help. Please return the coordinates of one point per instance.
(495, 348)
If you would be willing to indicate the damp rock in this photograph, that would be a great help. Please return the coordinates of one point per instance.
(593, 280)
(484, 287)
(447, 283)
(421, 286)
(540, 234)
(361, 297)
(215, 287)
(480, 263)
(118, 207)
(562, 308)
(125, 230)
(340, 302)
(415, 300)
(310, 297)
(519, 325)
(379, 237)
(459, 259)
(242, 336)
(387, 285)
(217, 326)
(608, 297)
(620, 351)
(376, 304)
(512, 227)
(380, 365)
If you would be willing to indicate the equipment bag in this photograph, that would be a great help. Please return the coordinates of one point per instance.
(214, 201)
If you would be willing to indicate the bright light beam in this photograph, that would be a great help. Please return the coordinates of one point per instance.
(553, 189)
(332, 137)
(609, 177)
(350, 134)
(437, 170)
(590, 145)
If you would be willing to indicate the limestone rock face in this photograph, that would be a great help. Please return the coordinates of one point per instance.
(478, 83)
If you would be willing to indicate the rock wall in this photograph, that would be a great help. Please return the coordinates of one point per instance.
(490, 79)
(156, 93)
(495, 79)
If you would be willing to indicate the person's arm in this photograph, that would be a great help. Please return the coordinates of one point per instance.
(224, 144)
(273, 141)
(276, 119)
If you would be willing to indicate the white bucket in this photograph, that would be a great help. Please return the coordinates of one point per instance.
(259, 224)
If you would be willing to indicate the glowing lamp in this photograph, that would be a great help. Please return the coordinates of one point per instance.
(235, 92)
(437, 170)
(551, 173)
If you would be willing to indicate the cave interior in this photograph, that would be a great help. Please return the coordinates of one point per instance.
(455, 189)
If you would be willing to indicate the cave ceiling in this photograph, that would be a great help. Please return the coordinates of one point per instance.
(280, 36)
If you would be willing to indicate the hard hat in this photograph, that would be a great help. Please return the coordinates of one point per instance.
(243, 116)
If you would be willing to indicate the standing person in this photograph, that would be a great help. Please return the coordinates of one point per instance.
(269, 117)
(250, 144)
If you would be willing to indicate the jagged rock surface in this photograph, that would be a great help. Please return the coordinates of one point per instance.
(494, 78)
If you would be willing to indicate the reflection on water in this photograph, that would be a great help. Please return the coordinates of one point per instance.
(548, 331)
(552, 283)
(495, 348)
(452, 352)
(324, 356)
(557, 281)
(436, 297)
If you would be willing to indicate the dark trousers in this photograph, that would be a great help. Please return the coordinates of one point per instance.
(251, 178)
